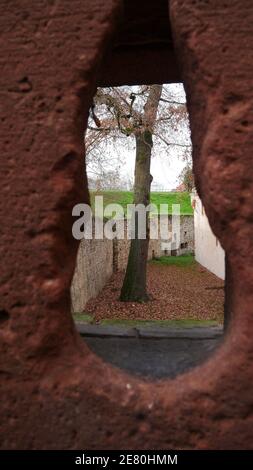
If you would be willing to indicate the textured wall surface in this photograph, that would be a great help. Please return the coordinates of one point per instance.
(94, 267)
(208, 250)
(159, 246)
(54, 392)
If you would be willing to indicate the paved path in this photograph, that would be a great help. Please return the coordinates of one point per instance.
(152, 353)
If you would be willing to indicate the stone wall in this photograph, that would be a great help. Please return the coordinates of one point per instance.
(159, 247)
(208, 251)
(94, 267)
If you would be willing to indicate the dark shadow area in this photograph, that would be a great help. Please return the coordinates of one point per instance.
(157, 358)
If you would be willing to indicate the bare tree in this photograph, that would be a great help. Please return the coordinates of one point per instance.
(142, 113)
(134, 285)
(116, 116)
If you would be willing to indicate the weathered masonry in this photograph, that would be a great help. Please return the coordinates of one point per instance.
(54, 392)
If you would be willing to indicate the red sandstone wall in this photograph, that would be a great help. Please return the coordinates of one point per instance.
(54, 392)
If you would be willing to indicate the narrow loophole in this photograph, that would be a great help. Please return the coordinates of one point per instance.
(148, 291)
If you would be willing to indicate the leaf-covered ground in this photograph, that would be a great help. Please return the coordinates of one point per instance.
(179, 289)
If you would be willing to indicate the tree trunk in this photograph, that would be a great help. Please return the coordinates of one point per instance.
(134, 285)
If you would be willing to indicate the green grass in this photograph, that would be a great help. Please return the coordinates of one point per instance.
(182, 261)
(126, 197)
(182, 323)
(82, 317)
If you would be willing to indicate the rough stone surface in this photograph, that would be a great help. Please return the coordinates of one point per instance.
(94, 267)
(145, 30)
(56, 393)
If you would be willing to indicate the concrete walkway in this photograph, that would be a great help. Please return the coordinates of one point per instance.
(152, 353)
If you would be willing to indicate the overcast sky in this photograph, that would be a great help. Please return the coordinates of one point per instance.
(166, 164)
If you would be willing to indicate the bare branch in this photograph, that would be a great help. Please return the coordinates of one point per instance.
(99, 129)
(176, 144)
(172, 102)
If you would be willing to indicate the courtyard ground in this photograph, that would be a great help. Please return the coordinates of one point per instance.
(181, 291)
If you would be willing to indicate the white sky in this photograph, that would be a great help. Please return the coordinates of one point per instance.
(165, 168)
(166, 164)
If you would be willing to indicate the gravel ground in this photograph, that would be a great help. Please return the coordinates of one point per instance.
(189, 292)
